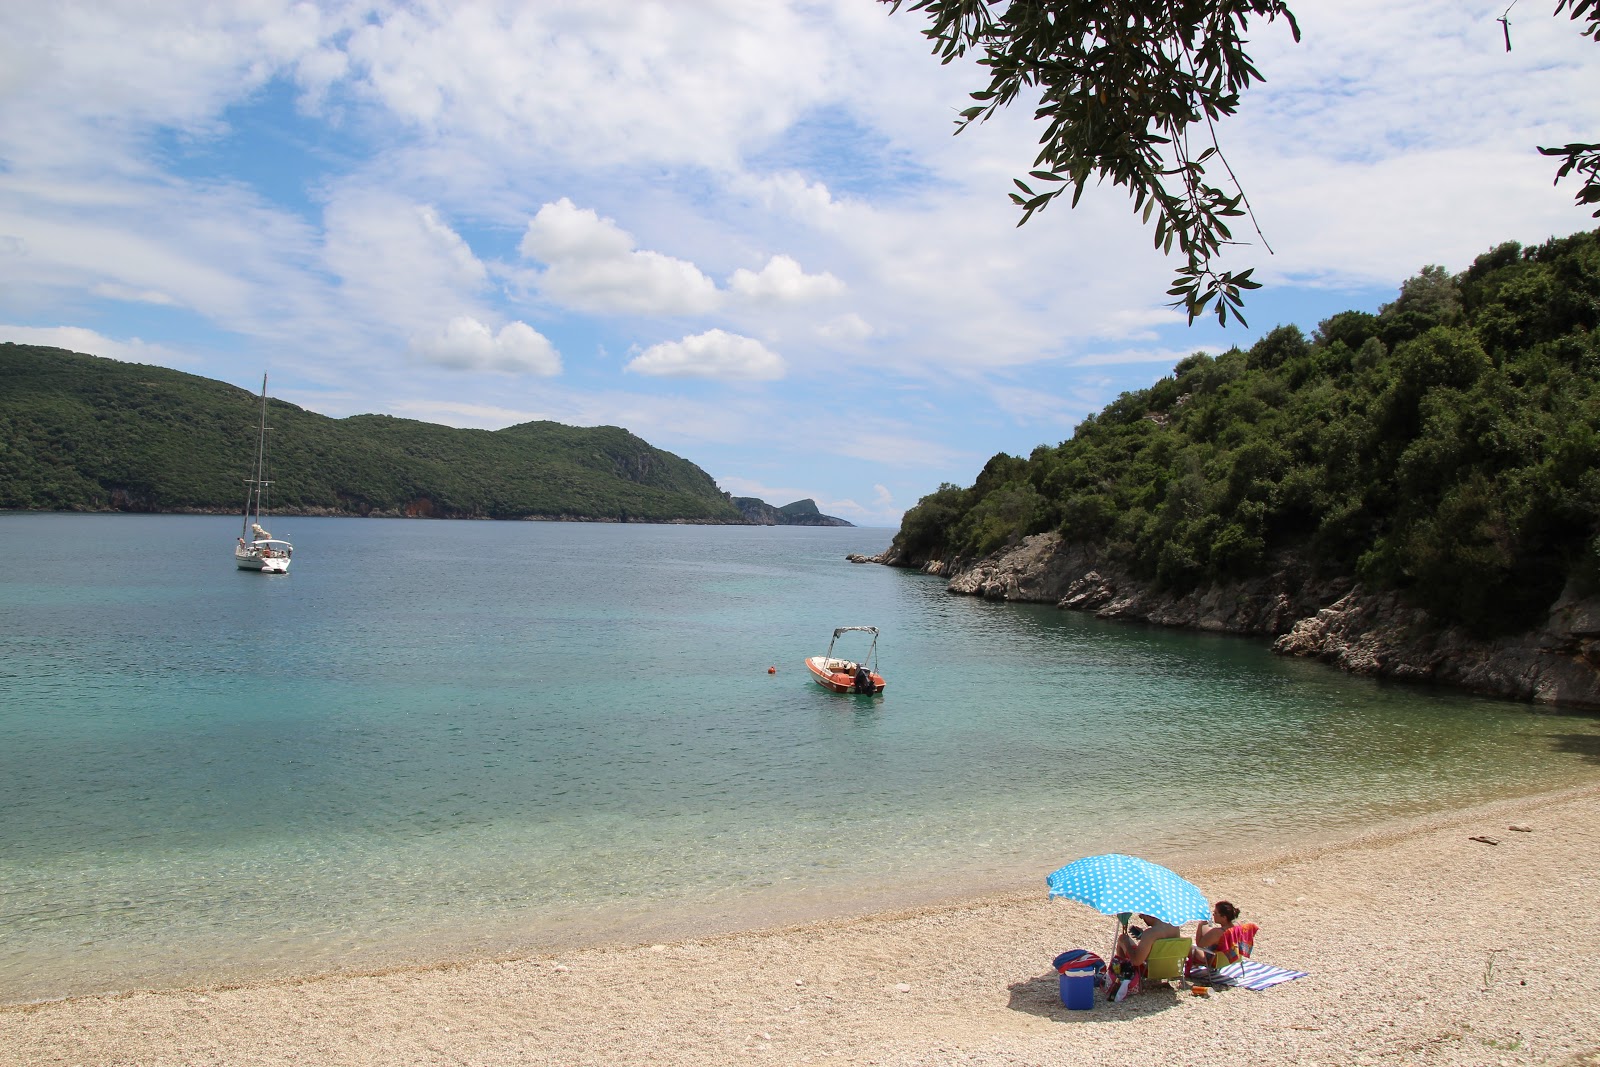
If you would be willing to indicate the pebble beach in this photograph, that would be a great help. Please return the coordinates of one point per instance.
(1423, 946)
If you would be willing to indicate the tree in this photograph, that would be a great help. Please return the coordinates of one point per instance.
(1582, 158)
(1130, 91)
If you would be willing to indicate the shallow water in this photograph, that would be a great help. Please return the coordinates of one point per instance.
(437, 738)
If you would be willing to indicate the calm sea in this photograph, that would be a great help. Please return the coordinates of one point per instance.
(435, 739)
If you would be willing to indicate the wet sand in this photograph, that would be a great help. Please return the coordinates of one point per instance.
(1423, 947)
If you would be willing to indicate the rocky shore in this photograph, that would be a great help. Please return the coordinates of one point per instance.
(1331, 619)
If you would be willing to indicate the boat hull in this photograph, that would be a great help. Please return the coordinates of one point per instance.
(248, 560)
(833, 675)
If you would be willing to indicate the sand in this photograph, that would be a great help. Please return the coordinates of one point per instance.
(1423, 947)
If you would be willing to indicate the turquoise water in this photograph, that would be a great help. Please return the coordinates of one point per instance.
(433, 739)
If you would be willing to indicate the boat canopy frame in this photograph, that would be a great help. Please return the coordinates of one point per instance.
(872, 653)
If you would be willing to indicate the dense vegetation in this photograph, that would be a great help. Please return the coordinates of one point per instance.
(1448, 447)
(82, 433)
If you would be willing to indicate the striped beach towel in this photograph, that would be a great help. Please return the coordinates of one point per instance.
(1251, 974)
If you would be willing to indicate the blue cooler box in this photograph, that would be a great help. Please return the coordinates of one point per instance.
(1077, 989)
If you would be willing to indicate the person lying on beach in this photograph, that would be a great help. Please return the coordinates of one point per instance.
(1135, 947)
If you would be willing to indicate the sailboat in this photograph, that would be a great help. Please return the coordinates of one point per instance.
(258, 550)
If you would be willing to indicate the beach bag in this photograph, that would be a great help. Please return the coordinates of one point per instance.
(1122, 979)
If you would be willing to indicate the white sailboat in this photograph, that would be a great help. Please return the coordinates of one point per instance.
(258, 550)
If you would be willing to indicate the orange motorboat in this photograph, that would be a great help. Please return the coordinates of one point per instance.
(848, 675)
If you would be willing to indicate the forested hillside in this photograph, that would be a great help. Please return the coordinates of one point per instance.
(1447, 447)
(82, 433)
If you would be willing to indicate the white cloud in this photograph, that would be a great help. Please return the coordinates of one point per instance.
(156, 183)
(398, 260)
(113, 291)
(474, 416)
(592, 265)
(78, 339)
(782, 280)
(777, 496)
(713, 354)
(1169, 357)
(215, 250)
(680, 423)
(905, 450)
(846, 329)
(1033, 405)
(467, 344)
(563, 231)
(614, 84)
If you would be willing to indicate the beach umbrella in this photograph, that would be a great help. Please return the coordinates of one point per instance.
(1114, 883)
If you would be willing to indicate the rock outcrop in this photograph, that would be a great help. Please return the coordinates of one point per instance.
(1331, 619)
(758, 512)
(1559, 663)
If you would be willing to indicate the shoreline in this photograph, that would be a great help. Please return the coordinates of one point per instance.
(330, 513)
(1423, 946)
(550, 932)
(1332, 619)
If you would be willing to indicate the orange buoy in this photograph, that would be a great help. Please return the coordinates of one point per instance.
(772, 670)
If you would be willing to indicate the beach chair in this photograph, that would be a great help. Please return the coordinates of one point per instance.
(1237, 944)
(1166, 959)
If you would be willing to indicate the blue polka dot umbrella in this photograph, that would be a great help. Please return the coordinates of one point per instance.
(1115, 883)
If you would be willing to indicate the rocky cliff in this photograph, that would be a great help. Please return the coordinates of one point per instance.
(1334, 620)
(801, 513)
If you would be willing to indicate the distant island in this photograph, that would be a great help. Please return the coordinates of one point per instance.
(84, 433)
(800, 513)
(1413, 494)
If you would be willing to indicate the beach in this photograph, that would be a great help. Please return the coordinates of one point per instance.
(1422, 946)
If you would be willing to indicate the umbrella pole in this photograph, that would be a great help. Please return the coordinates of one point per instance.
(1111, 973)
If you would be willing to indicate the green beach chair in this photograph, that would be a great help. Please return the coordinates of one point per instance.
(1166, 959)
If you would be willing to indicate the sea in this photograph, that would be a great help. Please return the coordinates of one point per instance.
(439, 740)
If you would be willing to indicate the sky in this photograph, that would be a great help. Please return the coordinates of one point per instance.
(742, 230)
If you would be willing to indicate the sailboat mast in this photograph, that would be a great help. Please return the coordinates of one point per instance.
(261, 453)
(252, 496)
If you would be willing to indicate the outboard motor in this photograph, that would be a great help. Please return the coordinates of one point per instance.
(863, 682)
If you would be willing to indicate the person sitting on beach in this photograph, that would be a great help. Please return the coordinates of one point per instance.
(1223, 934)
(1134, 945)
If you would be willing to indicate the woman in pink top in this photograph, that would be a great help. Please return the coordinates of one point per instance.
(1225, 936)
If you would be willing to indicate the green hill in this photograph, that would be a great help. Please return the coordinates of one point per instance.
(79, 432)
(1447, 447)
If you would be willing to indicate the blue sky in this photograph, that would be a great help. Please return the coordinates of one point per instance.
(741, 230)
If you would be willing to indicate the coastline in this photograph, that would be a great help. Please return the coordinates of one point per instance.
(1423, 946)
(1331, 619)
